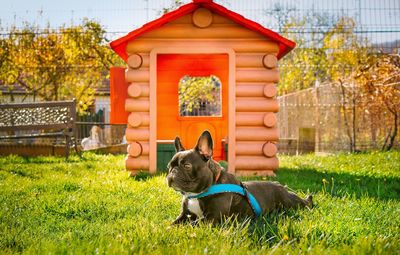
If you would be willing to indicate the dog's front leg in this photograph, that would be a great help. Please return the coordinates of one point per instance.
(217, 208)
(185, 214)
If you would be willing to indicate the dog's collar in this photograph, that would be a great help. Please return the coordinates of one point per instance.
(231, 188)
(218, 175)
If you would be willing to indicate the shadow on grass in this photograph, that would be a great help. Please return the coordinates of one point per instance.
(311, 180)
(142, 176)
(339, 184)
(266, 230)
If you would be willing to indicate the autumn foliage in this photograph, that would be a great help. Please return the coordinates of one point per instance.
(369, 80)
(57, 64)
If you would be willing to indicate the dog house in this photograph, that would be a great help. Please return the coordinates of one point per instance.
(200, 67)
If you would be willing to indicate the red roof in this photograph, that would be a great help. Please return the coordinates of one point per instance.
(119, 45)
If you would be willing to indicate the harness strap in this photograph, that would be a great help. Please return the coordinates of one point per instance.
(232, 188)
(246, 195)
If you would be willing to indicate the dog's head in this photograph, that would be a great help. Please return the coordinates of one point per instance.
(193, 171)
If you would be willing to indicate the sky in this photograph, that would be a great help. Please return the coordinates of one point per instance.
(118, 17)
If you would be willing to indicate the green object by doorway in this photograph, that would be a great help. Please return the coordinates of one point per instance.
(165, 151)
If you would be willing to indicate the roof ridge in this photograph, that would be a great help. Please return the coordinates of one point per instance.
(119, 45)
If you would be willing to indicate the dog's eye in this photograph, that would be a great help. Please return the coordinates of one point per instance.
(187, 166)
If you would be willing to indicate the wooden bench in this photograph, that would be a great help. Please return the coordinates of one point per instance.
(49, 119)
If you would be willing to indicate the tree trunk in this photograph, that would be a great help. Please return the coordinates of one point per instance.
(354, 120)
(317, 121)
(394, 134)
(372, 129)
(386, 139)
(346, 122)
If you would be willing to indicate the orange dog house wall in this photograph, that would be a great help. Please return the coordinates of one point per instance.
(200, 39)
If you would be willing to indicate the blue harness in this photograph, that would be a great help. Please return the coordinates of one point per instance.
(232, 188)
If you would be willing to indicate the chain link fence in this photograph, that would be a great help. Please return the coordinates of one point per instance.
(322, 119)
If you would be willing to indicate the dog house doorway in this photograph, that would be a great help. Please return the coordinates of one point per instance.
(192, 95)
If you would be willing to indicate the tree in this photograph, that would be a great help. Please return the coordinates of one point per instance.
(70, 62)
(174, 5)
(333, 52)
(282, 15)
(308, 62)
(325, 51)
(346, 54)
(197, 91)
(379, 82)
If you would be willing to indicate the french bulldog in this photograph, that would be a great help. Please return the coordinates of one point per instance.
(193, 171)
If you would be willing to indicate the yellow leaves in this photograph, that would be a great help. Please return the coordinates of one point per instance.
(333, 56)
(196, 90)
(65, 63)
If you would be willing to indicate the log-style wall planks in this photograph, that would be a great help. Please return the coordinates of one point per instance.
(137, 134)
(137, 75)
(256, 163)
(256, 76)
(136, 119)
(140, 163)
(256, 134)
(136, 149)
(267, 149)
(138, 90)
(136, 105)
(256, 105)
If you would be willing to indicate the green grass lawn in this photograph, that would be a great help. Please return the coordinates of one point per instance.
(91, 206)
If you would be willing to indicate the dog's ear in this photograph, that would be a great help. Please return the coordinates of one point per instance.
(178, 145)
(205, 145)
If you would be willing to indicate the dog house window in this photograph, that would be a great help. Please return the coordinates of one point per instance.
(200, 96)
